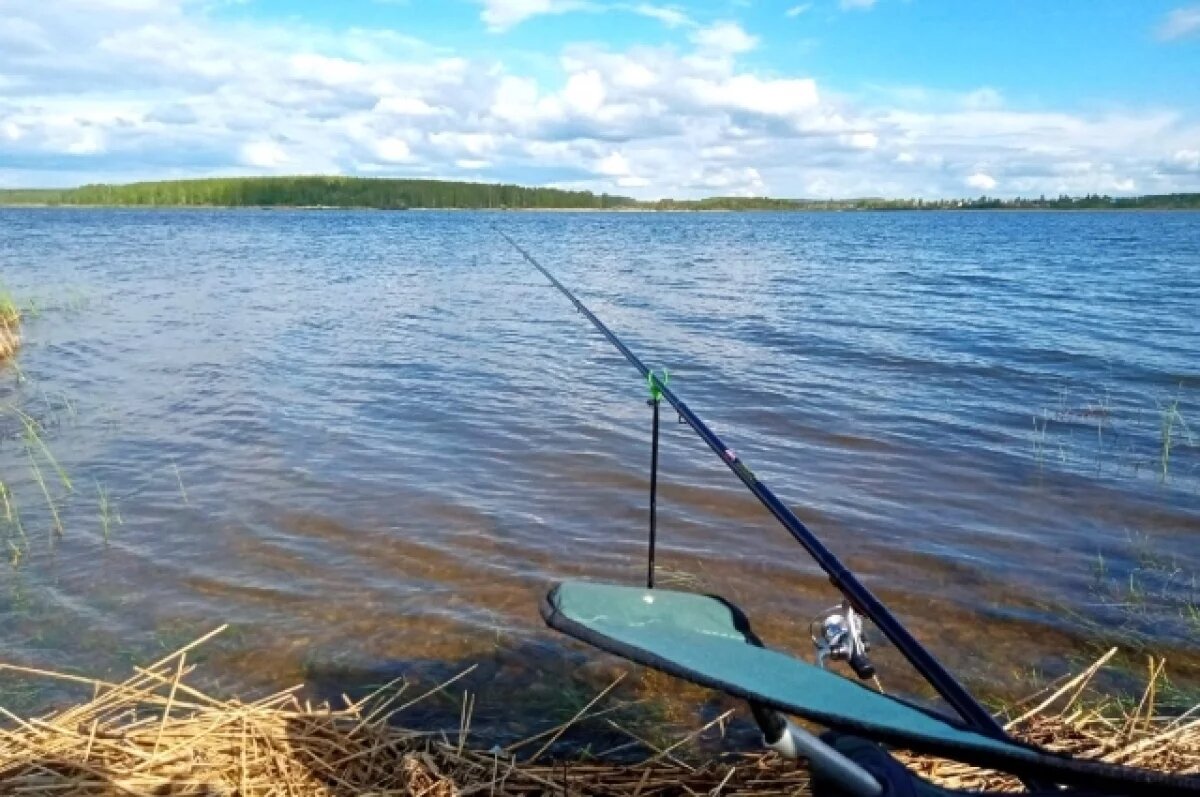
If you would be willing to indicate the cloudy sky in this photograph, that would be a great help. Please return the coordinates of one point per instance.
(798, 98)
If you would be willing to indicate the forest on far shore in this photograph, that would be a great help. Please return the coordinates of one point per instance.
(403, 194)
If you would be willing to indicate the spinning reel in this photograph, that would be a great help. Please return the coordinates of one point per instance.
(837, 634)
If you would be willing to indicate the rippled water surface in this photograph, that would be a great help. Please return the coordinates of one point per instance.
(370, 441)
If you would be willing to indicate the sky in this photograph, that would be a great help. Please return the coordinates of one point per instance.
(795, 98)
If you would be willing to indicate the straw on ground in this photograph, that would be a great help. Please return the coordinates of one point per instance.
(156, 734)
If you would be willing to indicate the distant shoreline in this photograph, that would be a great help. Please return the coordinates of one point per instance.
(29, 205)
(316, 192)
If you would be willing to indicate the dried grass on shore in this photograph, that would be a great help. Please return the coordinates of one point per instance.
(155, 734)
(1071, 718)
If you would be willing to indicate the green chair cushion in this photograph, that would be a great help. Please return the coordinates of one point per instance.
(707, 640)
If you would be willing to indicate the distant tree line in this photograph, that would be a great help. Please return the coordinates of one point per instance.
(1063, 202)
(341, 192)
(400, 194)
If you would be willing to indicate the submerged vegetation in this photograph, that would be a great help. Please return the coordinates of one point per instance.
(27, 417)
(50, 492)
(1144, 594)
(400, 194)
(1133, 437)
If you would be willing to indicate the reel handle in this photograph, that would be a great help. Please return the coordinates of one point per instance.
(863, 667)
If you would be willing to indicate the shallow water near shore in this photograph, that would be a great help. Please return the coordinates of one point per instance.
(371, 441)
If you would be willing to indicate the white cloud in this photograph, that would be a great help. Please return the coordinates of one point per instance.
(473, 144)
(514, 99)
(634, 75)
(783, 97)
(88, 141)
(1183, 161)
(404, 106)
(847, 5)
(614, 165)
(24, 34)
(263, 154)
(668, 15)
(730, 181)
(796, 11)
(632, 182)
(1179, 23)
(724, 37)
(320, 69)
(392, 150)
(584, 91)
(905, 157)
(500, 15)
(864, 140)
(124, 5)
(984, 182)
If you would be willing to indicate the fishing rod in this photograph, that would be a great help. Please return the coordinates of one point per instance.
(857, 595)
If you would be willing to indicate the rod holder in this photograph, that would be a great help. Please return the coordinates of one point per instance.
(654, 402)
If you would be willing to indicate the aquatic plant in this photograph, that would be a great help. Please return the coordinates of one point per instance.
(50, 503)
(12, 520)
(1129, 436)
(1155, 594)
(179, 480)
(33, 430)
(8, 506)
(10, 322)
(108, 511)
(1170, 418)
(39, 457)
(35, 446)
(10, 311)
(1191, 615)
(37, 454)
(1102, 413)
(12, 516)
(1039, 438)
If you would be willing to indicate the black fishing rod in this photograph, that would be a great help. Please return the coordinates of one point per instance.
(974, 714)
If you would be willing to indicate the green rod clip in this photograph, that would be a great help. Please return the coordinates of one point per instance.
(656, 383)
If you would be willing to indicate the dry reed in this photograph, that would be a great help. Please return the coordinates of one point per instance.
(10, 326)
(155, 734)
(1071, 717)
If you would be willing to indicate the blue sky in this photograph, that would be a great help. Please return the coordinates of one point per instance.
(808, 98)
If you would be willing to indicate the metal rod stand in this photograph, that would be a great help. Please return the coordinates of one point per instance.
(653, 495)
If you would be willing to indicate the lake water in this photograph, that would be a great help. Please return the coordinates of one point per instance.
(370, 441)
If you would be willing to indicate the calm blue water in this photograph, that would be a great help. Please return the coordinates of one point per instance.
(374, 439)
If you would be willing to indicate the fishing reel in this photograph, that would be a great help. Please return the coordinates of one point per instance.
(837, 634)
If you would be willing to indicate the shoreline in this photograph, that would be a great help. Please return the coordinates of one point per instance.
(932, 210)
